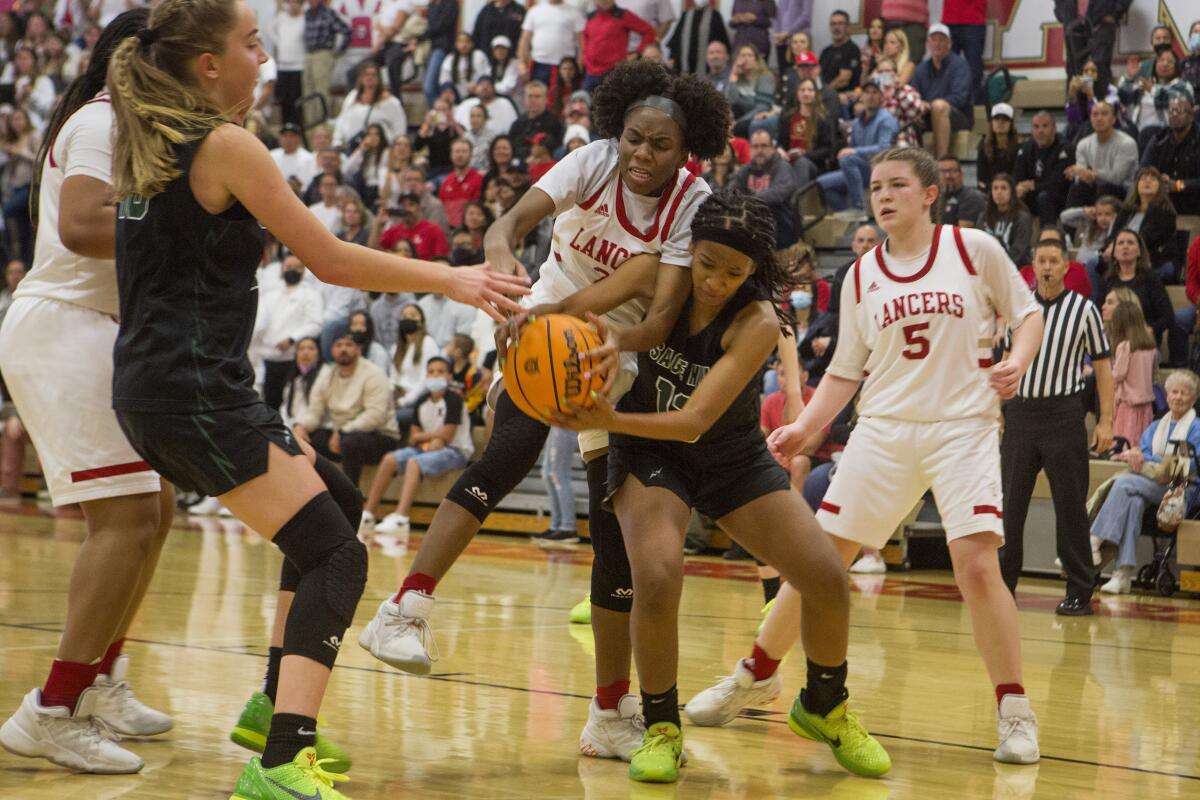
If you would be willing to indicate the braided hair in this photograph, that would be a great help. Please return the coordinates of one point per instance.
(744, 222)
(705, 109)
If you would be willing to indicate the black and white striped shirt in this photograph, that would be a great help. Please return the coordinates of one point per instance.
(1074, 329)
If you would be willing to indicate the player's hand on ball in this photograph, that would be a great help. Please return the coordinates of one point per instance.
(606, 359)
(492, 291)
(599, 415)
(1005, 378)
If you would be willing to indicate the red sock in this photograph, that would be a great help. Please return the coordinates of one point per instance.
(66, 682)
(761, 664)
(111, 655)
(418, 580)
(607, 697)
(1008, 688)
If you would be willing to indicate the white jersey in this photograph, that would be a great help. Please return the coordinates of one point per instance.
(83, 146)
(919, 331)
(600, 224)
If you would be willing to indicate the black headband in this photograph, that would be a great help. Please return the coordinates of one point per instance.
(148, 36)
(664, 104)
(729, 238)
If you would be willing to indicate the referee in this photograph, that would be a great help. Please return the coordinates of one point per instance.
(1044, 429)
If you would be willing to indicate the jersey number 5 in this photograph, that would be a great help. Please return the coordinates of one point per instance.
(918, 344)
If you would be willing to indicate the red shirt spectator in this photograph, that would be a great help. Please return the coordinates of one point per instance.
(1193, 272)
(1076, 279)
(428, 240)
(458, 189)
(606, 37)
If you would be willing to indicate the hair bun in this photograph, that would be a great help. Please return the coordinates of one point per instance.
(148, 36)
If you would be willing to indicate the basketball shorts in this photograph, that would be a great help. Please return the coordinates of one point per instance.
(210, 453)
(714, 486)
(57, 359)
(889, 464)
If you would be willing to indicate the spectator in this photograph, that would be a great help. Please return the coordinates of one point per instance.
(479, 136)
(428, 240)
(356, 221)
(462, 185)
(806, 135)
(719, 171)
(464, 66)
(606, 39)
(1105, 160)
(1148, 211)
(33, 92)
(1176, 153)
(895, 47)
(463, 251)
(1040, 168)
(1134, 358)
(819, 343)
(20, 145)
(338, 303)
(1146, 99)
(327, 208)
(1076, 280)
(1185, 318)
(362, 331)
(498, 18)
(321, 138)
(807, 67)
(567, 82)
(391, 38)
(958, 204)
(902, 101)
(1007, 220)
(550, 32)
(369, 102)
(501, 161)
(1094, 226)
(1161, 38)
(751, 89)
(536, 119)
(413, 348)
(438, 442)
(505, 71)
(466, 379)
(841, 61)
(558, 458)
(444, 318)
(1081, 96)
(944, 81)
(872, 49)
(442, 20)
(794, 17)
(1119, 522)
(911, 17)
(305, 369)
(751, 21)
(476, 220)
(329, 162)
(874, 130)
(501, 111)
(399, 159)
(1091, 34)
(349, 417)
(291, 314)
(326, 36)
(438, 130)
(770, 178)
(700, 27)
(431, 208)
(967, 21)
(658, 14)
(998, 148)
(292, 159)
(1129, 267)
(365, 167)
(385, 317)
(1190, 68)
(540, 158)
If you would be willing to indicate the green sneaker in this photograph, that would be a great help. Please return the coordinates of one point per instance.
(303, 777)
(581, 614)
(255, 722)
(659, 757)
(852, 746)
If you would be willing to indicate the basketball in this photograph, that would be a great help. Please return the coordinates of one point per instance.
(543, 369)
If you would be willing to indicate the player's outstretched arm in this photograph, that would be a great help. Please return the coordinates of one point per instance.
(501, 238)
(234, 165)
(832, 395)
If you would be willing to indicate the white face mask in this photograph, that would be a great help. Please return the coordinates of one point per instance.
(700, 4)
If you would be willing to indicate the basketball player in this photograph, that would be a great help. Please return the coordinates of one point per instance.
(687, 435)
(622, 196)
(56, 354)
(915, 330)
(196, 192)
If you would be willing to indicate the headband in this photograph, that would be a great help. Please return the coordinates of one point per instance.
(729, 238)
(148, 36)
(664, 104)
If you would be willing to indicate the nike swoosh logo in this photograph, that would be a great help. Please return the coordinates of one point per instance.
(826, 677)
(314, 796)
(304, 732)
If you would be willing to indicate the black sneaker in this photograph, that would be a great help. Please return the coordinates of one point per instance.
(552, 536)
(1074, 607)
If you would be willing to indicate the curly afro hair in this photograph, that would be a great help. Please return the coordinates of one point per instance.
(706, 110)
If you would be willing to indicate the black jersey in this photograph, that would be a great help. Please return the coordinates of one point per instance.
(669, 373)
(189, 296)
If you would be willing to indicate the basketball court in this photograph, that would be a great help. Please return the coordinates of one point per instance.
(1117, 694)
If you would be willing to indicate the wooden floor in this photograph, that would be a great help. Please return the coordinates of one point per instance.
(1118, 695)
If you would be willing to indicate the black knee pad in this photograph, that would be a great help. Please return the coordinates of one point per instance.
(289, 576)
(612, 580)
(516, 441)
(343, 491)
(332, 563)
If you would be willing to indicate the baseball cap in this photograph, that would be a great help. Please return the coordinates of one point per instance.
(290, 127)
(502, 41)
(872, 82)
(1002, 110)
(806, 59)
(938, 27)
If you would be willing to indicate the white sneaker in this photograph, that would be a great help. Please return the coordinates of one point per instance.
(399, 634)
(1017, 727)
(123, 712)
(720, 704)
(1121, 582)
(78, 741)
(208, 507)
(613, 733)
(366, 525)
(392, 523)
(870, 564)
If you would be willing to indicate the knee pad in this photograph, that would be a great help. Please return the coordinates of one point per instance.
(332, 563)
(341, 489)
(289, 576)
(612, 579)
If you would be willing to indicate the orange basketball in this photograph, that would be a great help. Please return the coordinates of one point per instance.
(544, 368)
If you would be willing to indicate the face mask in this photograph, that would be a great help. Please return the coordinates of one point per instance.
(1194, 41)
(801, 300)
(1161, 48)
(359, 337)
(464, 256)
(291, 277)
(700, 4)
(407, 326)
(436, 384)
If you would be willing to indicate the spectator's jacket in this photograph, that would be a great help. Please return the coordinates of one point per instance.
(745, 99)
(1156, 305)
(428, 240)
(905, 11)
(794, 15)
(773, 183)
(1181, 161)
(875, 135)
(292, 312)
(493, 21)
(1000, 161)
(695, 31)
(443, 23)
(1157, 231)
(1130, 92)
(1045, 166)
(360, 403)
(1193, 272)
(1115, 161)
(1193, 439)
(785, 95)
(951, 83)
(606, 38)
(324, 29)
(822, 143)
(1097, 10)
(526, 127)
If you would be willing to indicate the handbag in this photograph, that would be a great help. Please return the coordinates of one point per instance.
(1173, 506)
(357, 138)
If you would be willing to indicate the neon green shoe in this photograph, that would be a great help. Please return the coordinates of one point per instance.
(255, 722)
(303, 777)
(766, 612)
(581, 614)
(852, 746)
(659, 757)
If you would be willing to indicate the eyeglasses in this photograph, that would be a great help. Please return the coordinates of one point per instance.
(1178, 111)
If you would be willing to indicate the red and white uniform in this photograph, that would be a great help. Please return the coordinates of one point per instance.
(57, 340)
(918, 333)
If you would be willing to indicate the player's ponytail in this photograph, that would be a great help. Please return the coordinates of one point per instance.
(924, 166)
(156, 100)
